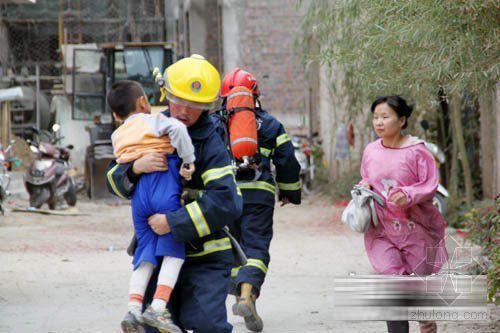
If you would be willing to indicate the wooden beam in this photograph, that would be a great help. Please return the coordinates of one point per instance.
(5, 123)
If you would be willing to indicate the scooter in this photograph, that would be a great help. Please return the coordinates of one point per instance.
(49, 179)
(442, 193)
(305, 173)
(305, 157)
(439, 200)
(5, 163)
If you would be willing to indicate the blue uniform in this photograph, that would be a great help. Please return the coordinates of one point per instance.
(254, 229)
(198, 300)
(158, 192)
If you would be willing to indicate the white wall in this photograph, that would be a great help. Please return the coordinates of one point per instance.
(197, 27)
(333, 111)
(326, 109)
(230, 33)
(73, 130)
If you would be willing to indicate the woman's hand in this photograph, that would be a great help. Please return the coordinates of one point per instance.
(399, 199)
(151, 162)
(159, 224)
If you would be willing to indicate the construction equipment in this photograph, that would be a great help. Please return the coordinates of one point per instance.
(117, 61)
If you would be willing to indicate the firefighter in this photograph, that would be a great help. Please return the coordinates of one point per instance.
(254, 229)
(198, 300)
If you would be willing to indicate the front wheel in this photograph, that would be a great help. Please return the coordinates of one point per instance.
(39, 195)
(70, 195)
(3, 195)
(306, 184)
(440, 203)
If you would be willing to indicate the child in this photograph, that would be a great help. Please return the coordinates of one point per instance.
(159, 192)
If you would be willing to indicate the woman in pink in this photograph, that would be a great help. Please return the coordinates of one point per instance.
(410, 237)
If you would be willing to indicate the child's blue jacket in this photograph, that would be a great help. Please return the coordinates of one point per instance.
(219, 203)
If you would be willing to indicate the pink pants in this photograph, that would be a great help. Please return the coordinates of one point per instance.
(403, 248)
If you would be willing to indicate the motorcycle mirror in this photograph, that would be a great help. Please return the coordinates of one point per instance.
(56, 127)
(70, 146)
(34, 149)
(425, 124)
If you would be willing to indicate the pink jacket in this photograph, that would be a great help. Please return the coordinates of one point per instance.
(411, 170)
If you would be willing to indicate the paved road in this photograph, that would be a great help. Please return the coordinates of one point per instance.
(70, 274)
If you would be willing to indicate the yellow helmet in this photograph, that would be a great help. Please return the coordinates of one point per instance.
(193, 82)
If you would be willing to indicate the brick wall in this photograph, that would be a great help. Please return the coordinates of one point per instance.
(268, 30)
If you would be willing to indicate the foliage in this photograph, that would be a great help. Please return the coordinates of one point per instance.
(481, 224)
(340, 189)
(416, 48)
(411, 47)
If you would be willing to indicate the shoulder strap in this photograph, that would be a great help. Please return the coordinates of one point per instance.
(227, 143)
(374, 211)
(238, 109)
(373, 194)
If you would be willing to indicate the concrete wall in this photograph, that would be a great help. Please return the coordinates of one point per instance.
(204, 30)
(326, 114)
(496, 164)
(332, 116)
(197, 27)
(231, 33)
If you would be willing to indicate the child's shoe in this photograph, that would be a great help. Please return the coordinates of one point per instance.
(161, 320)
(131, 323)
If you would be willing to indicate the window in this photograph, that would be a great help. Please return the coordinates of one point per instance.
(88, 84)
(137, 64)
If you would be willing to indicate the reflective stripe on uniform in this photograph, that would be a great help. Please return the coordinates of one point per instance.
(213, 246)
(234, 271)
(265, 152)
(257, 263)
(282, 139)
(112, 182)
(289, 186)
(216, 173)
(257, 185)
(198, 219)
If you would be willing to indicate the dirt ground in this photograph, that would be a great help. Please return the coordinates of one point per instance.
(70, 274)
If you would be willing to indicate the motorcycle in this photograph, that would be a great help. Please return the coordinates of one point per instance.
(50, 178)
(305, 156)
(439, 200)
(5, 164)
